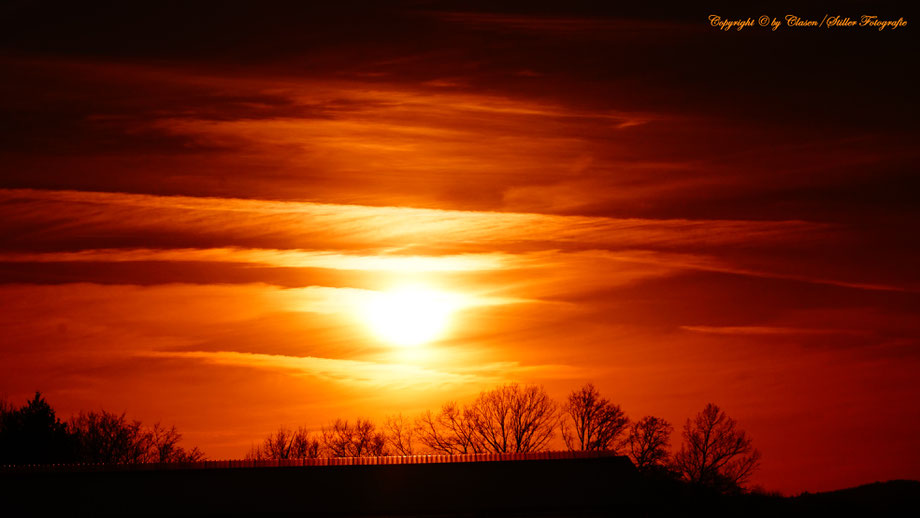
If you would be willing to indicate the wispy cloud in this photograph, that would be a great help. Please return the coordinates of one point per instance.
(769, 330)
(391, 375)
(713, 264)
(83, 227)
(274, 257)
(54, 218)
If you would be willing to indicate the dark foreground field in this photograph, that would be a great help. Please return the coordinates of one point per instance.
(562, 487)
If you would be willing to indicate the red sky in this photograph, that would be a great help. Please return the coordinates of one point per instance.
(195, 201)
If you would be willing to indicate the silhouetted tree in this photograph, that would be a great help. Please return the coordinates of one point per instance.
(512, 418)
(451, 431)
(108, 438)
(591, 422)
(287, 444)
(715, 452)
(163, 446)
(648, 442)
(341, 439)
(33, 434)
(401, 435)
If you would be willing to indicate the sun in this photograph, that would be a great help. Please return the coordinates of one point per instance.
(409, 315)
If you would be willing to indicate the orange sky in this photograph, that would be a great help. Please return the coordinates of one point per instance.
(189, 226)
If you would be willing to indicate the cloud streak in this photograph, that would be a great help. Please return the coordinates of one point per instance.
(769, 331)
(73, 227)
(50, 218)
(371, 374)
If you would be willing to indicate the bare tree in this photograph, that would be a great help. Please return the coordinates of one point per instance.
(110, 438)
(648, 442)
(401, 435)
(451, 431)
(591, 422)
(193, 455)
(163, 446)
(715, 452)
(287, 444)
(362, 439)
(512, 418)
(113, 439)
(163, 443)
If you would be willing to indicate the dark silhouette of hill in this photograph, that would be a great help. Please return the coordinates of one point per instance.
(674, 497)
(602, 486)
(562, 486)
(879, 498)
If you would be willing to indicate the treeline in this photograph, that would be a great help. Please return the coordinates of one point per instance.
(33, 434)
(511, 418)
(523, 418)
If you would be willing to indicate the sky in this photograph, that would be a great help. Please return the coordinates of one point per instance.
(199, 205)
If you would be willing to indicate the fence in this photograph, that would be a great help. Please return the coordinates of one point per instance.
(325, 461)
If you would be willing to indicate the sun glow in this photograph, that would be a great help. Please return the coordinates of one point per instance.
(411, 315)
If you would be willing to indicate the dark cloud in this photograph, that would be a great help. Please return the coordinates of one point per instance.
(151, 273)
(115, 96)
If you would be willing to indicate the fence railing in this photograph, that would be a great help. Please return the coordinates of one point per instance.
(317, 462)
